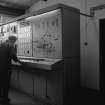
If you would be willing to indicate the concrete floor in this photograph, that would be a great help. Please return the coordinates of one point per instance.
(18, 98)
(88, 97)
(81, 97)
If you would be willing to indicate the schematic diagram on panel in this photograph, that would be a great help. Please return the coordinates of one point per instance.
(47, 35)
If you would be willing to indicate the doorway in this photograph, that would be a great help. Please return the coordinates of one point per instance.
(102, 54)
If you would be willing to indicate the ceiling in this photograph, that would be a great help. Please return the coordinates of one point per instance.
(17, 6)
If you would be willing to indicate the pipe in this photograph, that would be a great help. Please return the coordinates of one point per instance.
(93, 9)
(86, 15)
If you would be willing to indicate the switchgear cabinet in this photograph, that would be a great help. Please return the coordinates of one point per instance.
(49, 39)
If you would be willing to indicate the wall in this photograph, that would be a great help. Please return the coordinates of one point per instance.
(89, 33)
(92, 50)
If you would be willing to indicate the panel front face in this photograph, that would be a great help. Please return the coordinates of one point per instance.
(47, 35)
(25, 82)
(8, 30)
(24, 39)
(39, 36)
(4, 33)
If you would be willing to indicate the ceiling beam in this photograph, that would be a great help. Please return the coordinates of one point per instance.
(4, 3)
(11, 11)
(31, 2)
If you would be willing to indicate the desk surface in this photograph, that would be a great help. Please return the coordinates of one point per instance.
(46, 63)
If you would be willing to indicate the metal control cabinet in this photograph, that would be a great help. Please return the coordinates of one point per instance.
(56, 35)
(52, 33)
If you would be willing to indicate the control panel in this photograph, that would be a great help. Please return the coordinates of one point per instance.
(47, 35)
(24, 39)
(38, 36)
(7, 30)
